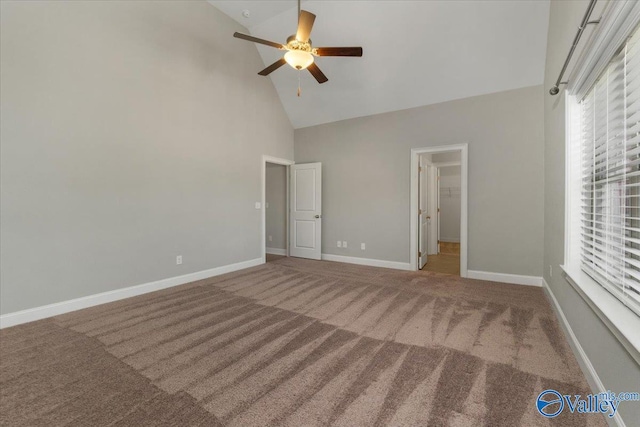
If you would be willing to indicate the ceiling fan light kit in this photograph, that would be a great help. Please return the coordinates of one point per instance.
(300, 53)
(298, 59)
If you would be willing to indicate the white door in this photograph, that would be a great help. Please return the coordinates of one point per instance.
(423, 217)
(306, 210)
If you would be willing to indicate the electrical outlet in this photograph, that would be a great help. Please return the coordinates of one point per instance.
(363, 246)
(550, 271)
(344, 243)
(339, 244)
(179, 260)
(271, 238)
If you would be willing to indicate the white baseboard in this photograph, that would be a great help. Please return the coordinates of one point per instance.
(37, 313)
(447, 240)
(583, 360)
(367, 261)
(505, 278)
(276, 251)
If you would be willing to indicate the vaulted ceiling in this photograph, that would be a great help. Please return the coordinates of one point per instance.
(415, 52)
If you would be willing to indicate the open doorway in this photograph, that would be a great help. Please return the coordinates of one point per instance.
(439, 209)
(443, 186)
(275, 212)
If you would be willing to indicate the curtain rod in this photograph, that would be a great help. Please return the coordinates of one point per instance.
(585, 21)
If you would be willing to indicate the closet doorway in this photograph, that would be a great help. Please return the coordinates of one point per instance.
(439, 209)
(275, 208)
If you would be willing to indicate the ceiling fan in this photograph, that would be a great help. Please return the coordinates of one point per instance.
(300, 52)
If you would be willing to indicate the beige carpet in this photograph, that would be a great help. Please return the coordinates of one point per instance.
(296, 343)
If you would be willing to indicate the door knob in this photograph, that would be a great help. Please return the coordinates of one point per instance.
(317, 216)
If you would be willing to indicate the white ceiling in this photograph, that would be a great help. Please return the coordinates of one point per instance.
(415, 52)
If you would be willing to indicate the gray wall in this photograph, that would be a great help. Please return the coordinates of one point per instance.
(132, 132)
(614, 365)
(450, 156)
(366, 169)
(276, 197)
(450, 204)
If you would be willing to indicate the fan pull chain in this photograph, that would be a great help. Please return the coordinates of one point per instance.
(299, 90)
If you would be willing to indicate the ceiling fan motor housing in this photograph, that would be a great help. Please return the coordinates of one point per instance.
(295, 44)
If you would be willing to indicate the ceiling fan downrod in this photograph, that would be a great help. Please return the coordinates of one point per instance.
(299, 90)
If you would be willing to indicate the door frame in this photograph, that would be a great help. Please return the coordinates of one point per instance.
(432, 181)
(437, 210)
(278, 161)
(413, 209)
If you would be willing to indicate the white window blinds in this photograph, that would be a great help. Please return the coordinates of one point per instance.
(610, 179)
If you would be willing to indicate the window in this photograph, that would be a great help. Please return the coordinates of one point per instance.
(606, 151)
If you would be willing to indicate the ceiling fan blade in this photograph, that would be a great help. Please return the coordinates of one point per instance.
(339, 51)
(257, 40)
(319, 75)
(305, 24)
(271, 68)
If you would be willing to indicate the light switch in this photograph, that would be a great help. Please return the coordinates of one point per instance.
(258, 205)
(363, 246)
(339, 244)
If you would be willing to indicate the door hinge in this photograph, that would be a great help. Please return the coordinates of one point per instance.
(419, 254)
(419, 168)
(438, 210)
(419, 211)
